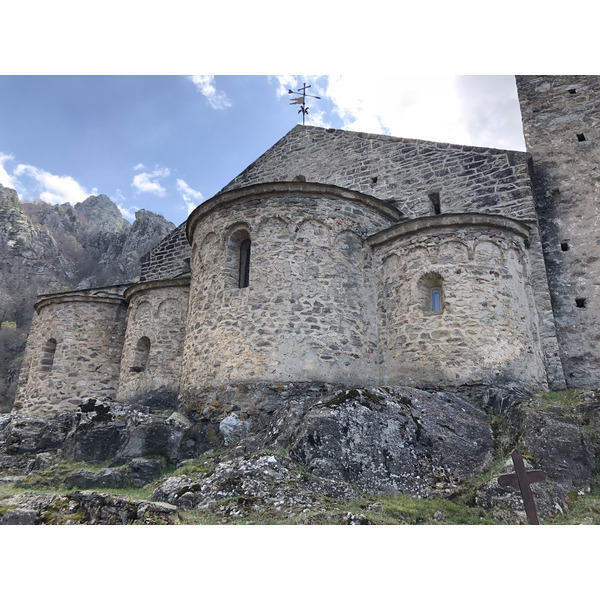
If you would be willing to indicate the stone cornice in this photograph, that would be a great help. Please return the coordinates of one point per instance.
(75, 296)
(261, 190)
(157, 284)
(455, 220)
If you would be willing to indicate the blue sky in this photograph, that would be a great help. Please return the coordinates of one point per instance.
(166, 143)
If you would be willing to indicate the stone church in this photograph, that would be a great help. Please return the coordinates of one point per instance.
(357, 259)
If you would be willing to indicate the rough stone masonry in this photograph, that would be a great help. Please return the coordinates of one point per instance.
(356, 259)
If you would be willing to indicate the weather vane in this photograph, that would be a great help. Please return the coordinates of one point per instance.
(302, 100)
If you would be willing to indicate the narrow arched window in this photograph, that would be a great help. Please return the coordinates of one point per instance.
(141, 355)
(244, 273)
(431, 293)
(48, 352)
(237, 264)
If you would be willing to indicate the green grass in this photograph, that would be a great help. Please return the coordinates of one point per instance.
(583, 509)
(401, 509)
(566, 401)
(55, 474)
(194, 467)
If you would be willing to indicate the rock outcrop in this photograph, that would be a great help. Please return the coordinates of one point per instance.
(314, 445)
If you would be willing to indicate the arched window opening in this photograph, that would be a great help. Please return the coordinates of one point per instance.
(48, 352)
(244, 272)
(237, 269)
(431, 293)
(141, 355)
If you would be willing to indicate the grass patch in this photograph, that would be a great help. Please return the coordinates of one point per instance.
(142, 493)
(572, 404)
(7, 490)
(204, 464)
(54, 475)
(402, 509)
(5, 509)
(565, 401)
(583, 510)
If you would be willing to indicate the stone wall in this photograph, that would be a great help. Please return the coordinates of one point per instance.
(420, 178)
(560, 117)
(308, 313)
(401, 171)
(483, 330)
(151, 361)
(168, 259)
(73, 351)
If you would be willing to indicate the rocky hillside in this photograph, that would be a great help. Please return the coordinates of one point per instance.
(48, 248)
(310, 454)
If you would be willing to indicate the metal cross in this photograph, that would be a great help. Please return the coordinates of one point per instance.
(302, 100)
(523, 478)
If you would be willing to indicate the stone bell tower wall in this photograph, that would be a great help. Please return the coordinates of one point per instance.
(73, 351)
(561, 116)
(151, 360)
(308, 313)
(484, 330)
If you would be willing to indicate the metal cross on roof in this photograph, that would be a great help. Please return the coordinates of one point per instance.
(523, 478)
(302, 100)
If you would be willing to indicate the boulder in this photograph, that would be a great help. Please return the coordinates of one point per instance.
(82, 479)
(232, 428)
(109, 478)
(96, 442)
(19, 516)
(26, 434)
(144, 470)
(394, 440)
(560, 448)
(42, 461)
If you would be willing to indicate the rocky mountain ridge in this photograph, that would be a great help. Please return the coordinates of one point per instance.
(48, 248)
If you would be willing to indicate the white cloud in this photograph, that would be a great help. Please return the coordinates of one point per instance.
(316, 117)
(138, 167)
(128, 213)
(421, 107)
(147, 182)
(459, 110)
(285, 83)
(6, 179)
(206, 86)
(55, 189)
(490, 110)
(188, 193)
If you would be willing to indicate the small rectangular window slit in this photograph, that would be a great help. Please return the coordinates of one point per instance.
(580, 302)
(564, 246)
(572, 91)
(580, 137)
(434, 198)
